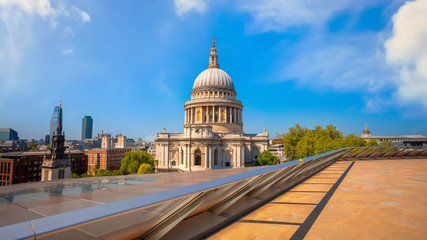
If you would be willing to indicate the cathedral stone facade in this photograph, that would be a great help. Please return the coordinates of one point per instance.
(213, 128)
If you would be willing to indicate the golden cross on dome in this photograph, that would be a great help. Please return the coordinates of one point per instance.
(213, 41)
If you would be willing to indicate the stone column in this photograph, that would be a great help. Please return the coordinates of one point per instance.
(226, 114)
(219, 113)
(234, 115)
(207, 156)
(234, 156)
(201, 113)
(210, 157)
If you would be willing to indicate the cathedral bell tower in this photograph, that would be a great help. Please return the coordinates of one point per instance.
(57, 165)
(213, 57)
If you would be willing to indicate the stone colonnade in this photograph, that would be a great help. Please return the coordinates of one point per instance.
(213, 114)
(212, 156)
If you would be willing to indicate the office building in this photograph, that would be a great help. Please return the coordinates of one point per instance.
(87, 127)
(54, 121)
(8, 134)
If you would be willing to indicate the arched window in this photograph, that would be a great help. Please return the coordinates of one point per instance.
(227, 164)
(197, 158)
(216, 157)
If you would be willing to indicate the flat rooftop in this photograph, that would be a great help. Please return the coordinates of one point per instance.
(28, 201)
(362, 199)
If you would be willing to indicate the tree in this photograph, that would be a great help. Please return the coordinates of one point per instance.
(266, 158)
(145, 169)
(133, 160)
(302, 142)
(33, 146)
(103, 172)
(49, 146)
(74, 175)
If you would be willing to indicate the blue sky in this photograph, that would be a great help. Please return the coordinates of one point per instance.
(131, 64)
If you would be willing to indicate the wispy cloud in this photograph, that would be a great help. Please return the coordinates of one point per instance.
(278, 15)
(407, 50)
(23, 27)
(184, 6)
(67, 51)
(84, 15)
(349, 63)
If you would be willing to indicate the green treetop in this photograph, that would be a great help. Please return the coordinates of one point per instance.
(133, 160)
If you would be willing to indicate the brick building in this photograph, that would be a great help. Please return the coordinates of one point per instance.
(106, 158)
(22, 167)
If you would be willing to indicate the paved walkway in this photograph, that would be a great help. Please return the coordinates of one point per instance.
(372, 199)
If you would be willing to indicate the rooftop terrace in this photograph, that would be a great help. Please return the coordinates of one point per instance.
(351, 193)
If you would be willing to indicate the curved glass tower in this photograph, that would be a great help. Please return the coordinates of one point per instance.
(54, 121)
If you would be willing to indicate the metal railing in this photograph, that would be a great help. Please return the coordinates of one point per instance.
(215, 202)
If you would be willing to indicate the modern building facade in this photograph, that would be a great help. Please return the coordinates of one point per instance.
(213, 128)
(108, 159)
(54, 122)
(87, 127)
(8, 134)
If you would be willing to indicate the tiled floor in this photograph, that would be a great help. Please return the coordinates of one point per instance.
(378, 199)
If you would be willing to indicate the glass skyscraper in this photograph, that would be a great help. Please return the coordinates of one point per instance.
(54, 122)
(87, 124)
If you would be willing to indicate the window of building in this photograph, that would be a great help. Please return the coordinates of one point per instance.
(197, 158)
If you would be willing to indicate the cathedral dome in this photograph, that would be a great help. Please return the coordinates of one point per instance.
(366, 132)
(213, 78)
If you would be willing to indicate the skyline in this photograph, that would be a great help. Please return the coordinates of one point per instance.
(131, 66)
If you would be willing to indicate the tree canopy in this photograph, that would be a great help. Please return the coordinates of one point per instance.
(266, 158)
(145, 169)
(302, 142)
(133, 160)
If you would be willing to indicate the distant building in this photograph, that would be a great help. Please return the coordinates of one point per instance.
(397, 140)
(57, 165)
(13, 146)
(152, 149)
(87, 125)
(277, 150)
(108, 159)
(8, 134)
(54, 121)
(47, 139)
(22, 167)
(109, 142)
(278, 139)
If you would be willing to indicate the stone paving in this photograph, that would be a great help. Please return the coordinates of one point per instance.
(377, 199)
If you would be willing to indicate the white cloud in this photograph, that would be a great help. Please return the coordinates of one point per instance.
(184, 6)
(67, 51)
(349, 63)
(277, 15)
(23, 33)
(407, 49)
(40, 7)
(84, 15)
